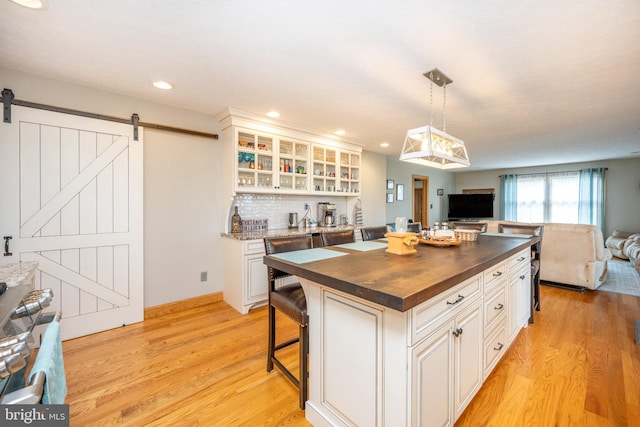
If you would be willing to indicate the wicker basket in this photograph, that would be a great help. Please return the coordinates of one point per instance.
(466, 235)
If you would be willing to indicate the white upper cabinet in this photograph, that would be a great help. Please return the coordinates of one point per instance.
(265, 156)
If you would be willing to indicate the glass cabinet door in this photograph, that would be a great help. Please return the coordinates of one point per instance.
(255, 159)
(324, 169)
(293, 158)
(349, 172)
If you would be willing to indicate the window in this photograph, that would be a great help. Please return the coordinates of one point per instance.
(548, 197)
(575, 197)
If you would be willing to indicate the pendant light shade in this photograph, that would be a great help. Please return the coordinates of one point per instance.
(432, 147)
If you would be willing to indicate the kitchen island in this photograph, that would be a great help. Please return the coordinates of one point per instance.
(408, 340)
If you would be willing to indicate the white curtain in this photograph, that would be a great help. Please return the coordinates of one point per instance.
(531, 198)
(563, 188)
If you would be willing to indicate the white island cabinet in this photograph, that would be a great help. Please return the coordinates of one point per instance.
(374, 365)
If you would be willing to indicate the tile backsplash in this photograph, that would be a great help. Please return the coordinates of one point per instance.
(276, 207)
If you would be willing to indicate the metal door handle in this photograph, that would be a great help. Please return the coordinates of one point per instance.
(497, 274)
(460, 298)
(500, 346)
(6, 245)
(499, 307)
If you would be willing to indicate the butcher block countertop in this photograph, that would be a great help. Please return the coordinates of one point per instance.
(401, 282)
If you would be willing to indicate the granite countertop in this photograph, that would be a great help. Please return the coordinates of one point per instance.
(17, 273)
(283, 232)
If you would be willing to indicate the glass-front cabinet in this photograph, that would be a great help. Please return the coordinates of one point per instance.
(255, 157)
(293, 159)
(266, 163)
(349, 172)
(325, 165)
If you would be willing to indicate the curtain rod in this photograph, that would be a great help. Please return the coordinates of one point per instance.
(8, 99)
(544, 173)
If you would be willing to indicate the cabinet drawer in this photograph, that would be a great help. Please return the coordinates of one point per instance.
(518, 260)
(492, 274)
(494, 348)
(495, 307)
(253, 246)
(426, 317)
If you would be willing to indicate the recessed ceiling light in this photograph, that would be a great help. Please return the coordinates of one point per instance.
(340, 132)
(160, 84)
(31, 4)
(384, 144)
(273, 114)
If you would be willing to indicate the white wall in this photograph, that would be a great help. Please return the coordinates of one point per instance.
(181, 199)
(622, 209)
(374, 176)
(402, 173)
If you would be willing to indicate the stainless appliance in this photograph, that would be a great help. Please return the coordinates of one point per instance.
(327, 214)
(293, 219)
(20, 312)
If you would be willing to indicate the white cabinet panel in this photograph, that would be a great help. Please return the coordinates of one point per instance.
(432, 379)
(468, 356)
(352, 367)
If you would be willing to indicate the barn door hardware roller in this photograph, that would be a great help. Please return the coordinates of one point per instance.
(8, 99)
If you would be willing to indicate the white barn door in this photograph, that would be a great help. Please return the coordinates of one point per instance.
(71, 198)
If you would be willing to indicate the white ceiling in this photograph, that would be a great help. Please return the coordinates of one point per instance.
(534, 82)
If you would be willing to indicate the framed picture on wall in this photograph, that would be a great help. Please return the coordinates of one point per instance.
(390, 184)
(400, 192)
(389, 197)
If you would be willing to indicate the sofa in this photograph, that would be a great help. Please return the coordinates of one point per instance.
(625, 245)
(571, 254)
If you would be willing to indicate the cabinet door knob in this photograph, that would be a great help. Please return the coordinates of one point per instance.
(522, 277)
(499, 307)
(500, 346)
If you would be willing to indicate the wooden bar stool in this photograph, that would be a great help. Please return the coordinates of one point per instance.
(373, 233)
(290, 300)
(330, 238)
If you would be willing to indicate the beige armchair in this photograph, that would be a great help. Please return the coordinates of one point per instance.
(632, 251)
(618, 243)
(572, 254)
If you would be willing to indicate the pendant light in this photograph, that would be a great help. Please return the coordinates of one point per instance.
(430, 146)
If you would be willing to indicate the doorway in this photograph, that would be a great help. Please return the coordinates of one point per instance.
(420, 191)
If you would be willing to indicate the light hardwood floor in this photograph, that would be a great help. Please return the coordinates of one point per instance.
(203, 364)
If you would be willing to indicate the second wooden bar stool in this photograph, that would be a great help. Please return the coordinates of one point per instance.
(290, 300)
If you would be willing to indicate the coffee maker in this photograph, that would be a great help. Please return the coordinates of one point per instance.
(327, 214)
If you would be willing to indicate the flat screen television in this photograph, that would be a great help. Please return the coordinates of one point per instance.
(470, 206)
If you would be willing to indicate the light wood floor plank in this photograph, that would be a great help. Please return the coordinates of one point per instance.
(200, 363)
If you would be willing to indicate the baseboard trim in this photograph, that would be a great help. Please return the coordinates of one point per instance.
(172, 307)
